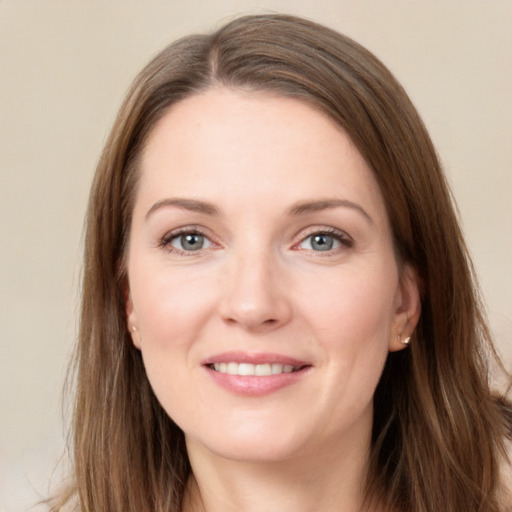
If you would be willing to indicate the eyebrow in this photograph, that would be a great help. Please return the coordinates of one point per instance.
(192, 205)
(300, 208)
(304, 207)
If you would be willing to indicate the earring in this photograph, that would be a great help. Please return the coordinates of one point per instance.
(405, 341)
(134, 328)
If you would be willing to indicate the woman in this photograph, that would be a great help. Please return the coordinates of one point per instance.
(278, 307)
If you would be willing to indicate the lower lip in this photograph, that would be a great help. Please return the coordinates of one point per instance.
(255, 385)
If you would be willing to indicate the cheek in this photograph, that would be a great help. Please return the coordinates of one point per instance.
(353, 325)
(351, 321)
(171, 307)
(357, 305)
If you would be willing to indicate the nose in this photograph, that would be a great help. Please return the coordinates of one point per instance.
(254, 295)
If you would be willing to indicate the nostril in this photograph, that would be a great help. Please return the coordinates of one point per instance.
(252, 323)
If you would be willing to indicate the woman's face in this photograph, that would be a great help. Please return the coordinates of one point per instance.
(263, 284)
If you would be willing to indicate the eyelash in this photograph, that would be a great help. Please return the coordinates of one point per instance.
(339, 236)
(168, 238)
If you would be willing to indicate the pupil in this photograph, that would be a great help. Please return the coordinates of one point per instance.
(192, 242)
(322, 242)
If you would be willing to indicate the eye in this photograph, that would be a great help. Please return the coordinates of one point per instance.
(189, 242)
(324, 241)
(186, 241)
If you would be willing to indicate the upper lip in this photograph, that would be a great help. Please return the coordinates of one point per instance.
(253, 358)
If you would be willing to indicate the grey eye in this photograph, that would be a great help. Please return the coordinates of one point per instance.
(322, 242)
(189, 242)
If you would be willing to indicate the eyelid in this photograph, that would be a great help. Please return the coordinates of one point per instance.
(345, 240)
(165, 241)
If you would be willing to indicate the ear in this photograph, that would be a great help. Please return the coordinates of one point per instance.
(131, 317)
(408, 309)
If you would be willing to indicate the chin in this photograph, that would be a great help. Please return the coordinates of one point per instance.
(250, 443)
(249, 450)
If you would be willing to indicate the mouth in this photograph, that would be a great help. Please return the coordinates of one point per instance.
(253, 375)
(258, 370)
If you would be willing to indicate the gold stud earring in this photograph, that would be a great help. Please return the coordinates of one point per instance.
(405, 341)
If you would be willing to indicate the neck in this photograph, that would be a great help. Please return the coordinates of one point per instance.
(315, 482)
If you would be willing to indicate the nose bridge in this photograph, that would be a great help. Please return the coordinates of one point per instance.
(254, 296)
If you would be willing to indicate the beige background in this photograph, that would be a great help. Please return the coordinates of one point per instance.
(64, 67)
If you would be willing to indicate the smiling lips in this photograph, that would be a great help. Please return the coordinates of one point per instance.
(260, 370)
(254, 374)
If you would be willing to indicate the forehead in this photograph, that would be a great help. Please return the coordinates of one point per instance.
(225, 144)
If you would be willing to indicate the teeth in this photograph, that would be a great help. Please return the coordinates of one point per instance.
(263, 369)
(245, 369)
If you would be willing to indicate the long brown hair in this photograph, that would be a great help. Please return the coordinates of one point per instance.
(438, 434)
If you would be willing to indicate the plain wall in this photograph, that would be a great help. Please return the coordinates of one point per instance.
(64, 68)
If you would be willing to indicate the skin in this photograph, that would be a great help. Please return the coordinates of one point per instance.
(258, 285)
